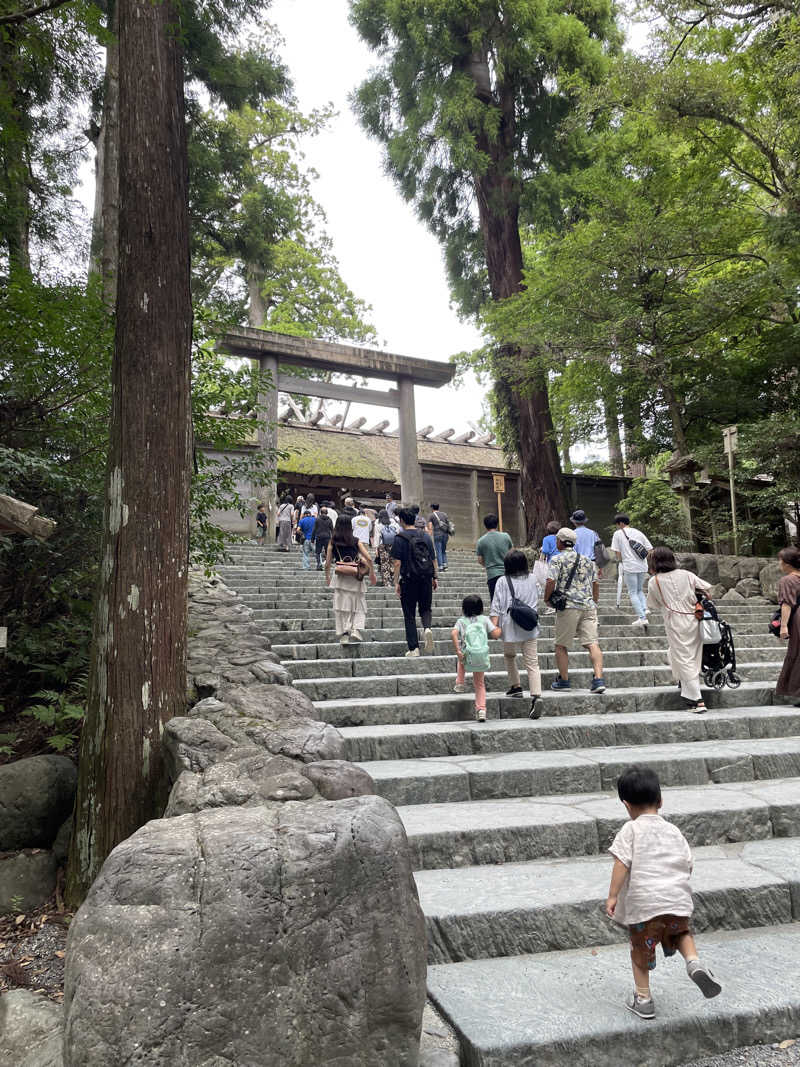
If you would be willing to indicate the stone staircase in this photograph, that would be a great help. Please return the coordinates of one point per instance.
(509, 821)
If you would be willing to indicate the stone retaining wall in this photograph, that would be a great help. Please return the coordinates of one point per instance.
(271, 916)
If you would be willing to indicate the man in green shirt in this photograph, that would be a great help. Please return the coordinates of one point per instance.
(491, 549)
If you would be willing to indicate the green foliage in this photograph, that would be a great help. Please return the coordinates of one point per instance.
(60, 717)
(7, 742)
(655, 509)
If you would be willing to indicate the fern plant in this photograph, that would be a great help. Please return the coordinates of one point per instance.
(59, 715)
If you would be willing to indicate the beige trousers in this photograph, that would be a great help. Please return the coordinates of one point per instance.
(530, 661)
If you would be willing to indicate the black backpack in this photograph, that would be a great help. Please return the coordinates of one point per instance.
(419, 558)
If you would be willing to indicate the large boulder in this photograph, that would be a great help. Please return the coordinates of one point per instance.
(271, 935)
(748, 587)
(252, 778)
(768, 577)
(750, 566)
(729, 572)
(36, 796)
(277, 718)
(732, 597)
(26, 879)
(30, 1030)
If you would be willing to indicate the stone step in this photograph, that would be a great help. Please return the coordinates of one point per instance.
(371, 710)
(552, 905)
(307, 631)
(446, 663)
(519, 829)
(494, 776)
(554, 1008)
(333, 650)
(411, 685)
(422, 740)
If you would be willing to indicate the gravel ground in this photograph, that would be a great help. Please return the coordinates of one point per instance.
(755, 1056)
(32, 950)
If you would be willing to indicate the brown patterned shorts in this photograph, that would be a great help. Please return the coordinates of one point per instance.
(661, 929)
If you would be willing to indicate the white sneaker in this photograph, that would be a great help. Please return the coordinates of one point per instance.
(639, 624)
(355, 635)
(459, 687)
(412, 652)
(428, 635)
(480, 715)
(344, 639)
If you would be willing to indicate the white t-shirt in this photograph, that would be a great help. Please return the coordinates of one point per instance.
(620, 543)
(333, 515)
(527, 591)
(659, 862)
(361, 528)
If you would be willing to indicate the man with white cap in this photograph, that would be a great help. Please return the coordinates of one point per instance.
(573, 590)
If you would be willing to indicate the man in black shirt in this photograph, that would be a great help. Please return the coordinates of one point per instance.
(415, 578)
(440, 525)
(321, 535)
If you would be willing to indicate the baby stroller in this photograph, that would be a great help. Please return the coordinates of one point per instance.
(719, 653)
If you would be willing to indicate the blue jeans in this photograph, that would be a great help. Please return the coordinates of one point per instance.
(440, 544)
(635, 584)
(307, 549)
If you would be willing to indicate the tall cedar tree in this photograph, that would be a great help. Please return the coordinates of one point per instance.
(138, 673)
(467, 101)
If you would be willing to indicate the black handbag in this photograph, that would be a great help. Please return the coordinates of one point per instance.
(523, 614)
(774, 625)
(558, 598)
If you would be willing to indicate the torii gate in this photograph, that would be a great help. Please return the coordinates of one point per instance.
(273, 349)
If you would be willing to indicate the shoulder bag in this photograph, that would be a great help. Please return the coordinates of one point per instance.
(558, 598)
(637, 546)
(523, 614)
(358, 568)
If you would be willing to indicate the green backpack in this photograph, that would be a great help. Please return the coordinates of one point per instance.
(476, 645)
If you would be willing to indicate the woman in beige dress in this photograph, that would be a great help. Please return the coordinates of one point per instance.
(349, 593)
(673, 592)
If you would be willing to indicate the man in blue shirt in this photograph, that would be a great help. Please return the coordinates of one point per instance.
(585, 537)
(307, 524)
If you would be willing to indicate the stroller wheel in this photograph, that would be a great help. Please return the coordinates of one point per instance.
(708, 678)
(734, 681)
(718, 680)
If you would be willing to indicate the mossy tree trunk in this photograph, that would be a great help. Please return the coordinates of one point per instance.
(138, 671)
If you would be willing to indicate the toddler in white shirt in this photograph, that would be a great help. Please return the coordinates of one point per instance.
(649, 891)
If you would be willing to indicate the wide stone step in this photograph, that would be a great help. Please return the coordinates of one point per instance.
(332, 649)
(446, 664)
(556, 1008)
(372, 710)
(583, 824)
(492, 776)
(552, 905)
(421, 740)
(411, 685)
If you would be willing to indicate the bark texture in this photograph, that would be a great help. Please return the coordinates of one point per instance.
(137, 680)
(105, 221)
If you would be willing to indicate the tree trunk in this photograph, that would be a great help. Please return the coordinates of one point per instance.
(257, 309)
(612, 432)
(138, 672)
(15, 171)
(632, 425)
(676, 418)
(566, 444)
(524, 390)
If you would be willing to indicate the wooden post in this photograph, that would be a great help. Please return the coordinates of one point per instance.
(499, 488)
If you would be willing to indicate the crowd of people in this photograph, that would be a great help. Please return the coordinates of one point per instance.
(406, 548)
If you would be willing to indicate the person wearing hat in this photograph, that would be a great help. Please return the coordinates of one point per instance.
(575, 576)
(585, 537)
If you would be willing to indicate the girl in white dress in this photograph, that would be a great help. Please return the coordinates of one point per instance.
(673, 592)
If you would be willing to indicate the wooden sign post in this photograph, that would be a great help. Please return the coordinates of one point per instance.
(499, 488)
(730, 440)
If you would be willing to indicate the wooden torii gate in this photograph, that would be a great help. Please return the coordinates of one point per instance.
(274, 350)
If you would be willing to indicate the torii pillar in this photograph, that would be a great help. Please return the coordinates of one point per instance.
(410, 470)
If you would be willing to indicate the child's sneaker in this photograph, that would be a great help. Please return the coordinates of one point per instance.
(480, 714)
(642, 1006)
(703, 979)
(459, 687)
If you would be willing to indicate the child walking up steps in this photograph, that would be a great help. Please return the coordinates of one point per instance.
(649, 891)
(471, 635)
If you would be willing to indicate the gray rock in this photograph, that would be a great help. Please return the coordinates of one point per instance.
(27, 879)
(729, 573)
(438, 1043)
(748, 587)
(717, 592)
(732, 597)
(192, 745)
(61, 843)
(36, 795)
(337, 779)
(277, 718)
(30, 1030)
(707, 567)
(768, 577)
(253, 779)
(284, 934)
(750, 566)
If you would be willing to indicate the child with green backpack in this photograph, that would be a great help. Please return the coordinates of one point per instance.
(471, 635)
